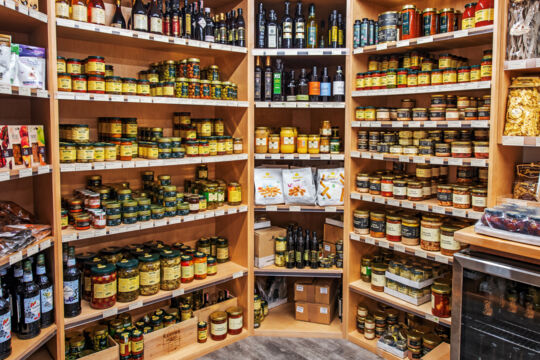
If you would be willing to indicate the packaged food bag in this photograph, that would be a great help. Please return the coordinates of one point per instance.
(298, 186)
(268, 186)
(330, 186)
(32, 66)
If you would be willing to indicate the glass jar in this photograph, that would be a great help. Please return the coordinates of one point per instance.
(218, 325)
(128, 280)
(449, 245)
(365, 270)
(461, 198)
(103, 286)
(361, 222)
(234, 194)
(96, 84)
(211, 265)
(479, 199)
(399, 190)
(149, 272)
(287, 142)
(236, 320)
(414, 191)
(441, 301)
(410, 230)
(222, 250)
(377, 224)
(170, 269)
(238, 146)
(430, 233)
(481, 149)
(378, 276)
(461, 149)
(187, 269)
(445, 194)
(484, 13)
(393, 227)
(200, 265)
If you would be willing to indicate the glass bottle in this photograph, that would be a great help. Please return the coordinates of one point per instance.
(314, 86)
(300, 245)
(96, 12)
(62, 9)
(299, 27)
(314, 252)
(29, 297)
(240, 33)
(258, 79)
(231, 28)
(186, 14)
(277, 81)
(341, 31)
(339, 85)
(139, 20)
(176, 19)
(222, 29)
(326, 86)
(200, 24)
(291, 87)
(79, 11)
(194, 14)
(312, 28)
(155, 18)
(333, 28)
(261, 27)
(287, 28)
(268, 81)
(272, 31)
(302, 88)
(307, 253)
(16, 281)
(5, 324)
(72, 286)
(118, 20)
(46, 292)
(322, 42)
(209, 28)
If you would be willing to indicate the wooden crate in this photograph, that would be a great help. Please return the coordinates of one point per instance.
(110, 353)
(170, 339)
(204, 313)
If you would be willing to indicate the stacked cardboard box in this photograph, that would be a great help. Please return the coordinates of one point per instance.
(315, 300)
(265, 245)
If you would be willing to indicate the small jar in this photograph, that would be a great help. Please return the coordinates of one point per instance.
(365, 269)
(393, 227)
(464, 74)
(202, 332)
(128, 280)
(375, 185)
(234, 194)
(129, 86)
(414, 191)
(437, 114)
(481, 149)
(410, 230)
(471, 113)
(236, 320)
(170, 269)
(222, 250)
(449, 245)
(149, 272)
(419, 114)
(377, 227)
(78, 83)
(200, 266)
(430, 230)
(461, 149)
(437, 77)
(378, 277)
(103, 280)
(218, 325)
(399, 189)
(96, 84)
(187, 269)
(211, 265)
(64, 82)
(450, 76)
(387, 187)
(445, 195)
(479, 199)
(461, 198)
(361, 222)
(441, 301)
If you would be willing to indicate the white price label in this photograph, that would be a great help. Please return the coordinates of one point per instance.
(199, 216)
(474, 215)
(420, 253)
(15, 258)
(419, 160)
(10, 4)
(355, 154)
(404, 158)
(380, 200)
(459, 212)
(161, 38)
(69, 237)
(399, 247)
(238, 274)
(355, 236)
(424, 40)
(268, 208)
(189, 218)
(5, 88)
(384, 244)
(513, 140)
(430, 124)
(454, 124)
(441, 259)
(455, 161)
(382, 46)
(135, 305)
(220, 212)
(116, 229)
(433, 318)
(421, 207)
(461, 33)
(330, 209)
(356, 196)
(376, 124)
(435, 160)
(414, 124)
(113, 165)
(110, 312)
(397, 124)
(83, 166)
(259, 156)
(288, 156)
(142, 163)
(480, 123)
(393, 202)
(133, 99)
(516, 64)
(325, 156)
(478, 162)
(370, 240)
(338, 157)
(304, 156)
(25, 172)
(45, 169)
(275, 156)
(82, 97)
(161, 222)
(147, 224)
(438, 209)
(209, 214)
(294, 208)
(367, 197)
(378, 156)
(32, 250)
(86, 234)
(402, 43)
(365, 155)
(407, 204)
(101, 97)
(178, 292)
(24, 91)
(117, 98)
(100, 232)
(45, 244)
(175, 220)
(4, 176)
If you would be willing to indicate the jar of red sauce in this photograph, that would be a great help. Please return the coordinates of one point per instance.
(218, 325)
(96, 84)
(430, 20)
(409, 22)
(359, 81)
(441, 300)
(95, 65)
(402, 78)
(78, 83)
(387, 186)
(103, 286)
(412, 78)
(446, 20)
(393, 227)
(468, 19)
(483, 13)
(236, 320)
(367, 81)
(187, 268)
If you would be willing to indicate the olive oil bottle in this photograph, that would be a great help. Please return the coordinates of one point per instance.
(29, 297)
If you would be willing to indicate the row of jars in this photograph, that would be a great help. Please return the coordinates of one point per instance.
(427, 230)
(288, 141)
(372, 113)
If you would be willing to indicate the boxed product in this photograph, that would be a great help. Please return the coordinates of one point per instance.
(316, 313)
(304, 290)
(31, 66)
(5, 59)
(37, 142)
(324, 291)
(265, 245)
(328, 248)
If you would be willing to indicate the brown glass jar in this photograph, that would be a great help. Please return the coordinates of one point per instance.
(449, 245)
(378, 277)
(414, 191)
(377, 224)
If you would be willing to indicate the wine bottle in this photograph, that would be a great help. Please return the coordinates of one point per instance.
(166, 19)
(312, 37)
(314, 252)
(261, 27)
(314, 86)
(338, 86)
(222, 29)
(16, 281)
(291, 87)
(118, 20)
(209, 29)
(291, 259)
(326, 86)
(72, 286)
(29, 297)
(272, 31)
(341, 31)
(139, 20)
(187, 20)
(268, 74)
(5, 324)
(200, 24)
(155, 20)
(300, 246)
(96, 12)
(334, 30)
(287, 28)
(194, 14)
(176, 19)
(307, 249)
(302, 88)
(258, 80)
(240, 37)
(277, 81)
(46, 292)
(299, 27)
(231, 28)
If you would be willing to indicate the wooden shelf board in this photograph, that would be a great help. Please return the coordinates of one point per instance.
(299, 105)
(420, 159)
(281, 322)
(19, 18)
(430, 205)
(145, 163)
(226, 271)
(273, 270)
(407, 249)
(370, 345)
(465, 124)
(297, 156)
(72, 234)
(527, 65)
(21, 349)
(452, 40)
(299, 208)
(24, 91)
(70, 29)
(528, 141)
(196, 350)
(423, 310)
(13, 174)
(41, 354)
(300, 52)
(469, 86)
(441, 352)
(30, 250)
(469, 236)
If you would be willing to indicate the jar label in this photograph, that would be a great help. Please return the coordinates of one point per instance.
(436, 78)
(485, 71)
(385, 187)
(32, 309)
(461, 199)
(129, 88)
(366, 270)
(475, 75)
(400, 191)
(483, 15)
(412, 80)
(200, 268)
(60, 65)
(287, 140)
(149, 278)
(448, 243)
(97, 16)
(414, 193)
(218, 329)
(461, 149)
(423, 79)
(410, 232)
(236, 323)
(5, 327)
(96, 85)
(128, 284)
(85, 154)
(156, 25)
(137, 346)
(79, 13)
(235, 196)
(62, 11)
(449, 77)
(222, 253)
(464, 76)
(103, 291)
(480, 201)
(46, 298)
(393, 229)
(377, 226)
(378, 280)
(187, 271)
(64, 84)
(68, 155)
(429, 234)
(171, 272)
(260, 141)
(481, 149)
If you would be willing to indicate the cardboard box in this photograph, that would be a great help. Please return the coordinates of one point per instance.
(265, 245)
(301, 311)
(322, 313)
(325, 290)
(332, 233)
(328, 248)
(304, 290)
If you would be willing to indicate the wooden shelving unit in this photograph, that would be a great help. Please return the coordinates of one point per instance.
(273, 270)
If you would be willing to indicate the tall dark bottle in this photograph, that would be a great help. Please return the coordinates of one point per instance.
(287, 41)
(299, 27)
(341, 31)
(333, 29)
(5, 324)
(326, 86)
(209, 28)
(200, 24)
(16, 281)
(186, 17)
(240, 33)
(72, 286)
(338, 86)
(300, 246)
(314, 86)
(260, 42)
(29, 297)
(290, 256)
(291, 87)
(302, 88)
(194, 14)
(155, 18)
(258, 80)
(46, 292)
(314, 252)
(176, 19)
(277, 81)
(118, 20)
(222, 29)
(268, 80)
(307, 249)
(272, 31)
(139, 19)
(167, 15)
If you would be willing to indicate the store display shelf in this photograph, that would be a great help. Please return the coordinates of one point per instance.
(451, 40)
(226, 271)
(7, 89)
(300, 52)
(424, 310)
(281, 322)
(15, 16)
(529, 141)
(6, 174)
(370, 345)
(441, 352)
(144, 163)
(299, 105)
(430, 205)
(422, 124)
(297, 156)
(469, 86)
(526, 64)
(273, 270)
(71, 234)
(469, 236)
(107, 34)
(299, 208)
(407, 249)
(62, 95)
(41, 354)
(420, 159)
(32, 249)
(22, 349)
(196, 350)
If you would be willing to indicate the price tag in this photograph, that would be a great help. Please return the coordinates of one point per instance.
(325, 156)
(441, 259)
(420, 253)
(45, 244)
(175, 220)
(113, 165)
(419, 160)
(399, 247)
(268, 208)
(359, 51)
(69, 237)
(430, 317)
(275, 156)
(404, 158)
(100, 232)
(421, 207)
(199, 216)
(438, 209)
(380, 200)
(209, 214)
(45, 169)
(475, 215)
(83, 166)
(42, 93)
(355, 236)
(5, 89)
(402, 43)
(376, 124)
(110, 312)
(189, 218)
(22, 9)
(234, 210)
(382, 46)
(461, 33)
(243, 208)
(161, 222)
(25, 173)
(15, 258)
(430, 124)
(132, 99)
(32, 250)
(454, 124)
(219, 212)
(407, 204)
(365, 155)
(128, 164)
(513, 140)
(516, 64)
(384, 244)
(392, 202)
(238, 274)
(178, 292)
(288, 156)
(86, 234)
(370, 240)
(116, 230)
(378, 156)
(537, 63)
(479, 123)
(414, 124)
(179, 41)
(478, 162)
(397, 124)
(355, 154)
(117, 98)
(294, 208)
(367, 197)
(24, 91)
(101, 97)
(436, 160)
(424, 40)
(9, 4)
(330, 209)
(304, 156)
(356, 196)
(338, 157)
(459, 212)
(161, 38)
(4, 176)
(147, 224)
(135, 305)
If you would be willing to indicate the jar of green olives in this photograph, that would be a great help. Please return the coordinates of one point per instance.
(170, 269)
(149, 272)
(128, 280)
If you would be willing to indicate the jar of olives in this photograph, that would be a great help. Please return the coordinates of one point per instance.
(103, 286)
(170, 269)
(149, 272)
(128, 280)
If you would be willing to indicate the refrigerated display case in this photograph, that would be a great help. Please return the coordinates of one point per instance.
(495, 308)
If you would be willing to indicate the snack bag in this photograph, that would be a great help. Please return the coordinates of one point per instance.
(298, 186)
(330, 186)
(268, 186)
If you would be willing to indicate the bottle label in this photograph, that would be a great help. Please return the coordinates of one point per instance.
(240, 34)
(62, 11)
(287, 30)
(483, 15)
(258, 85)
(314, 88)
(32, 309)
(301, 97)
(339, 87)
(334, 34)
(272, 36)
(5, 327)
(71, 292)
(200, 268)
(326, 89)
(277, 84)
(79, 13)
(97, 16)
(312, 36)
(47, 303)
(299, 30)
(202, 23)
(467, 23)
(268, 86)
(156, 25)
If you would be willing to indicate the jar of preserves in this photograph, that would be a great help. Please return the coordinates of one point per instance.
(414, 191)
(449, 245)
(461, 197)
(484, 13)
(400, 189)
(375, 185)
(445, 194)
(188, 271)
(441, 301)
(377, 224)
(234, 194)
(149, 273)
(430, 21)
(361, 222)
(468, 18)
(365, 270)
(437, 77)
(410, 230)
(194, 88)
(464, 74)
(236, 320)
(222, 250)
(64, 82)
(287, 142)
(314, 143)
(170, 269)
(103, 286)
(393, 227)
(378, 276)
(96, 84)
(261, 140)
(273, 144)
(430, 233)
(211, 265)
(461, 149)
(74, 66)
(128, 280)
(202, 331)
(238, 147)
(449, 76)
(218, 325)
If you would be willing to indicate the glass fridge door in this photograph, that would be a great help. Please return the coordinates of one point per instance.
(500, 309)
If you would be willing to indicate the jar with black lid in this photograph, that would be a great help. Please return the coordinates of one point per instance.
(222, 250)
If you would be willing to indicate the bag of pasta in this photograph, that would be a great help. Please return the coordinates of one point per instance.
(268, 186)
(330, 186)
(526, 182)
(298, 186)
(523, 107)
